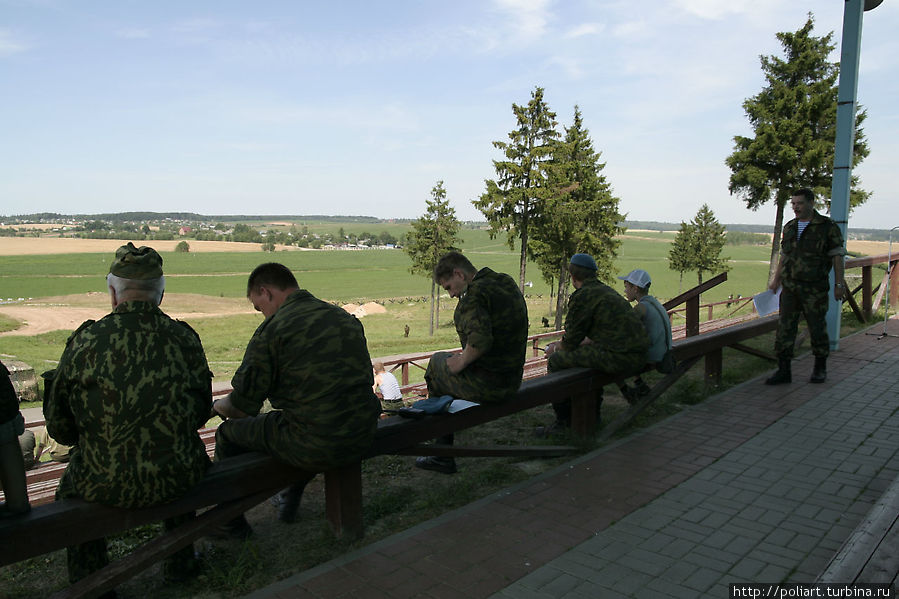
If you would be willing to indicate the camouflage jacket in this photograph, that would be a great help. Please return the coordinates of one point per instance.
(598, 312)
(310, 359)
(130, 392)
(492, 316)
(9, 402)
(807, 260)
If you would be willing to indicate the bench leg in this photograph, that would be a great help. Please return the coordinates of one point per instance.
(713, 367)
(583, 413)
(343, 498)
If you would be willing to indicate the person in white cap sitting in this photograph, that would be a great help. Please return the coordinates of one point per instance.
(655, 321)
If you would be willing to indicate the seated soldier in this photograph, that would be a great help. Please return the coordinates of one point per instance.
(601, 331)
(129, 394)
(655, 320)
(310, 358)
(492, 322)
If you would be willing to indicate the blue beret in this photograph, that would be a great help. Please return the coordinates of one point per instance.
(584, 261)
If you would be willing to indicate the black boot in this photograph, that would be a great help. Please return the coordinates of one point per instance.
(819, 374)
(783, 374)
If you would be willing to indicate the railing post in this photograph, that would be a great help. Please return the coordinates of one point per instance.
(894, 283)
(714, 361)
(405, 373)
(866, 291)
(711, 308)
(692, 314)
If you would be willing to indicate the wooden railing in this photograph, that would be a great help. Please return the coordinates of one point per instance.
(870, 302)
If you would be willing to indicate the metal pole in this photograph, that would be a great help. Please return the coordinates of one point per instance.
(886, 307)
(842, 164)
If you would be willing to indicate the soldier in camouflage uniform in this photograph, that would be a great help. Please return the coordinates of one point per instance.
(602, 331)
(811, 245)
(492, 322)
(310, 359)
(12, 466)
(129, 394)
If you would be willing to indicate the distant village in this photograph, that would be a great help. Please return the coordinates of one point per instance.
(171, 228)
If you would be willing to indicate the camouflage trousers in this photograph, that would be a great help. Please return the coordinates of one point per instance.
(472, 383)
(86, 558)
(592, 356)
(795, 303)
(273, 434)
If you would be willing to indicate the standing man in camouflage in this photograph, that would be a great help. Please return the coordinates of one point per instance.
(492, 322)
(129, 394)
(811, 245)
(602, 331)
(310, 359)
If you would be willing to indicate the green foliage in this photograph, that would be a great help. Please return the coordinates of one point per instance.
(182, 247)
(520, 189)
(432, 236)
(794, 124)
(581, 216)
(708, 239)
(697, 246)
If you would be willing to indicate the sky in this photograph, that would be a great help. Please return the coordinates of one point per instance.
(359, 107)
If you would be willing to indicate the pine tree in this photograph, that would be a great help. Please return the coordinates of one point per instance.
(680, 251)
(432, 235)
(519, 192)
(794, 125)
(581, 215)
(707, 240)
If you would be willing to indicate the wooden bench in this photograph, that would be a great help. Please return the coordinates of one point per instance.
(237, 484)
(871, 553)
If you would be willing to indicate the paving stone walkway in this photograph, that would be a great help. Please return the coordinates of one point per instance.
(758, 484)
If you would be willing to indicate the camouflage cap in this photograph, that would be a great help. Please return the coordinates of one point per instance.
(136, 263)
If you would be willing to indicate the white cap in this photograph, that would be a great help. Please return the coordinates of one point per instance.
(638, 277)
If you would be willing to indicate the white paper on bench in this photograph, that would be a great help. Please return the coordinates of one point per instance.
(460, 404)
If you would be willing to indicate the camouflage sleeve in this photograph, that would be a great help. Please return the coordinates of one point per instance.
(254, 377)
(57, 413)
(835, 241)
(474, 323)
(201, 379)
(576, 323)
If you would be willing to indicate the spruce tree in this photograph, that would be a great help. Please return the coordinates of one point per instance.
(581, 214)
(793, 120)
(519, 192)
(435, 233)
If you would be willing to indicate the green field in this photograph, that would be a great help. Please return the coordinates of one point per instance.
(342, 277)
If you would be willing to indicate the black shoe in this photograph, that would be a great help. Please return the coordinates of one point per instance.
(437, 464)
(557, 428)
(290, 502)
(819, 374)
(630, 394)
(643, 389)
(237, 528)
(782, 375)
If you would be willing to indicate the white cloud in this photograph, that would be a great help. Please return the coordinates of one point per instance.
(529, 17)
(9, 45)
(585, 29)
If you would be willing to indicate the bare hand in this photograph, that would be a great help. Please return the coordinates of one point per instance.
(839, 292)
(550, 349)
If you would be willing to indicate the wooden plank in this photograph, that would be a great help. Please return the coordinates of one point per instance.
(753, 351)
(157, 549)
(61, 523)
(492, 451)
(657, 390)
(343, 500)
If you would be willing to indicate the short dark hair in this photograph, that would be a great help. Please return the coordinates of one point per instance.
(580, 273)
(806, 193)
(450, 262)
(273, 274)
